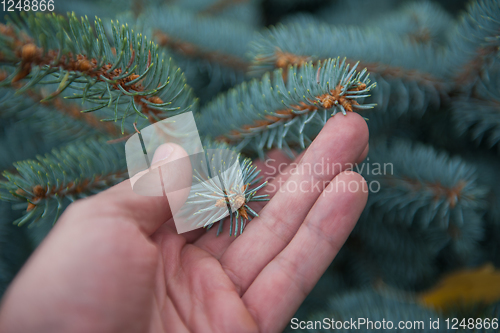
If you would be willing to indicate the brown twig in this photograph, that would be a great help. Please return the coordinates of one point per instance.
(74, 111)
(452, 194)
(474, 66)
(31, 55)
(326, 101)
(220, 5)
(193, 51)
(72, 188)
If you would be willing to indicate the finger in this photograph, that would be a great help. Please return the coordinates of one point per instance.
(363, 154)
(277, 171)
(216, 245)
(284, 171)
(337, 147)
(283, 284)
(275, 160)
(188, 237)
(120, 201)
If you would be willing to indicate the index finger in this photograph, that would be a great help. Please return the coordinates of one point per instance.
(340, 143)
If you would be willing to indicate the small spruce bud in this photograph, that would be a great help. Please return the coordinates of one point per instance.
(156, 100)
(239, 201)
(133, 77)
(84, 65)
(28, 51)
(38, 191)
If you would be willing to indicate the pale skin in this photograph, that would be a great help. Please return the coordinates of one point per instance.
(115, 263)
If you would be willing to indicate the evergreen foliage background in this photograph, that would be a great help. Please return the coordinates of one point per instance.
(260, 75)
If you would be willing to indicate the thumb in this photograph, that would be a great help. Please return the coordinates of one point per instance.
(144, 197)
(168, 160)
(175, 174)
(164, 151)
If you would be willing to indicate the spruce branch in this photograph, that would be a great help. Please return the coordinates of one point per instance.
(260, 114)
(246, 12)
(74, 111)
(58, 116)
(229, 195)
(478, 115)
(390, 56)
(45, 186)
(189, 50)
(129, 76)
(211, 51)
(475, 42)
(410, 76)
(421, 187)
(420, 22)
(423, 22)
(189, 35)
(220, 5)
(401, 256)
(487, 163)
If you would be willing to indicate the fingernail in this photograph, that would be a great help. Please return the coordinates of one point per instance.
(163, 152)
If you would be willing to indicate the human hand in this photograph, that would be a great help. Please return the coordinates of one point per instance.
(115, 263)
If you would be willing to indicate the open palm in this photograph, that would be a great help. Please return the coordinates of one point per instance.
(114, 262)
